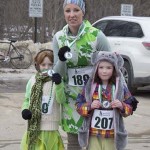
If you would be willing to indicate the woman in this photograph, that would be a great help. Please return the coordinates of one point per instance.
(81, 39)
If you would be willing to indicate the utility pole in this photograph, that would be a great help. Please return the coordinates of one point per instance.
(35, 29)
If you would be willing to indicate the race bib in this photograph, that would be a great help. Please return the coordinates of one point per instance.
(46, 108)
(102, 119)
(78, 77)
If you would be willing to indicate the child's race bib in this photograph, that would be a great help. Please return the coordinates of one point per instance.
(46, 108)
(102, 119)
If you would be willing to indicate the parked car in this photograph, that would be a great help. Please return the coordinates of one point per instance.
(130, 36)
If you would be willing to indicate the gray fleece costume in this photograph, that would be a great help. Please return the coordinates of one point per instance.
(120, 136)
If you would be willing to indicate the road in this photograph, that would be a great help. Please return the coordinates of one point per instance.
(12, 126)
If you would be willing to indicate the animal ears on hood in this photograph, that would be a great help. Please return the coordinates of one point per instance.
(94, 57)
(120, 61)
(100, 55)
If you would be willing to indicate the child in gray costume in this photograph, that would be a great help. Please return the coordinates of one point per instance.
(103, 103)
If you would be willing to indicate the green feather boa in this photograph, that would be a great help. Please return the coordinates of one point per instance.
(35, 108)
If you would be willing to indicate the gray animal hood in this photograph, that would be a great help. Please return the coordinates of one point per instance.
(120, 132)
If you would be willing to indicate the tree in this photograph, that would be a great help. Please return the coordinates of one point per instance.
(16, 23)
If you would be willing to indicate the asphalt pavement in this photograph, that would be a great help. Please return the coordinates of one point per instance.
(12, 126)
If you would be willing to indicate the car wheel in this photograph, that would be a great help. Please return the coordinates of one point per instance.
(126, 71)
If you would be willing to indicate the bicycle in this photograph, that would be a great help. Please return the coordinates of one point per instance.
(19, 56)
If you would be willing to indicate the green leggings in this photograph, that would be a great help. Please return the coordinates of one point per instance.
(96, 143)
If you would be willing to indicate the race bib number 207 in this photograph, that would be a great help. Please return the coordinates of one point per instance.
(102, 119)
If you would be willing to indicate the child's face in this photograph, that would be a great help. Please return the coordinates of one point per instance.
(105, 71)
(46, 64)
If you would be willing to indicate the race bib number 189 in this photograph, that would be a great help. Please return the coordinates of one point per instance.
(78, 77)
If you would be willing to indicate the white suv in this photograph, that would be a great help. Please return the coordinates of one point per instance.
(130, 36)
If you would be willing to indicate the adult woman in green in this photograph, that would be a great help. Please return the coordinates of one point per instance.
(81, 39)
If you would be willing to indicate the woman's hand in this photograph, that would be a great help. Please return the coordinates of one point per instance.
(95, 104)
(62, 51)
(116, 104)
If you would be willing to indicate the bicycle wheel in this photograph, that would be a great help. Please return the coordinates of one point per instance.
(4, 59)
(2, 54)
(20, 57)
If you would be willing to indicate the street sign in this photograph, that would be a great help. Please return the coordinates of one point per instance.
(35, 8)
(126, 10)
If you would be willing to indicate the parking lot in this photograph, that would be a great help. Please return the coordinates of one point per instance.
(12, 126)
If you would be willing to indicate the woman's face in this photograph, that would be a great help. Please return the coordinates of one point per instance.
(105, 71)
(46, 64)
(73, 15)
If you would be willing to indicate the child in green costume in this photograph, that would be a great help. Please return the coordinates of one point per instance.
(41, 107)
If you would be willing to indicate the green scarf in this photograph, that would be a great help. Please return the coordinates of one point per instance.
(35, 108)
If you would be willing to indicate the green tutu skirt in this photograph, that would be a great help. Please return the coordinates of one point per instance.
(47, 140)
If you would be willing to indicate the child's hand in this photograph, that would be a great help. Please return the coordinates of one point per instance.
(116, 104)
(95, 104)
(56, 78)
(26, 114)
